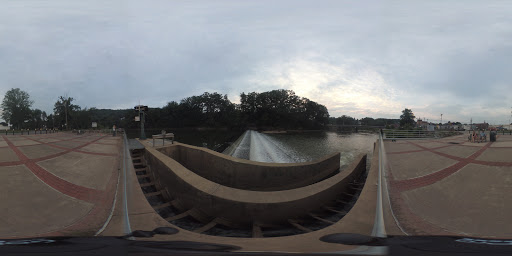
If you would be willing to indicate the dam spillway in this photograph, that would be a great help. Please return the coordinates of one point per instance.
(193, 188)
(260, 147)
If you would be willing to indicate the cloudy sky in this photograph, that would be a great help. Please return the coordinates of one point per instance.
(359, 58)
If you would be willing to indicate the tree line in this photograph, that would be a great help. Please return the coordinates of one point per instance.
(277, 109)
(345, 120)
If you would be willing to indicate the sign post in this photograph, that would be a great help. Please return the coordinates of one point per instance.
(141, 110)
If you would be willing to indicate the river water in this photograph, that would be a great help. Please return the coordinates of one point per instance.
(301, 147)
(275, 148)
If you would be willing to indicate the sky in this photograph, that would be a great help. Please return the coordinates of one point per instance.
(358, 58)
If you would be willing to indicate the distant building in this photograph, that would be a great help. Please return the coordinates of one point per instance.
(454, 126)
(482, 126)
(469, 127)
(421, 124)
(4, 126)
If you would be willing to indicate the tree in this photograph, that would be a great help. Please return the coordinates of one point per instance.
(368, 121)
(50, 121)
(64, 111)
(16, 107)
(210, 109)
(407, 118)
(345, 120)
(36, 119)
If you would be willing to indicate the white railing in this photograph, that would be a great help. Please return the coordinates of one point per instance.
(379, 229)
(415, 134)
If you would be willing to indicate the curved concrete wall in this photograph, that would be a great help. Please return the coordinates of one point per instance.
(250, 175)
(237, 207)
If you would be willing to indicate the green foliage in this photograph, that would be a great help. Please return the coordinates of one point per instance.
(407, 119)
(279, 109)
(37, 119)
(346, 120)
(65, 113)
(367, 121)
(16, 107)
(282, 109)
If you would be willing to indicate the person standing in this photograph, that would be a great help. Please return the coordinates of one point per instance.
(114, 130)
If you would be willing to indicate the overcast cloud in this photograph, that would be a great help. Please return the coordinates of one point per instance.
(359, 58)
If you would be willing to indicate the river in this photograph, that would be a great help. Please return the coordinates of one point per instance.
(276, 148)
(301, 147)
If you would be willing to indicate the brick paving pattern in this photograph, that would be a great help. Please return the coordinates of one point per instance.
(101, 199)
(414, 224)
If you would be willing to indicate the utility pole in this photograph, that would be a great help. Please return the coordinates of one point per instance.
(66, 111)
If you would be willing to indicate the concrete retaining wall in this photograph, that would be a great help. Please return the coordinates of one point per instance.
(236, 207)
(250, 175)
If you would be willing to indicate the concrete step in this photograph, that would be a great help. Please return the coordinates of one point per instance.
(320, 219)
(348, 194)
(147, 184)
(153, 194)
(206, 227)
(341, 201)
(156, 207)
(335, 211)
(298, 226)
(179, 216)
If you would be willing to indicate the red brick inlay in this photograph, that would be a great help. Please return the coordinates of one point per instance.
(76, 149)
(102, 200)
(61, 185)
(418, 150)
(412, 223)
(404, 185)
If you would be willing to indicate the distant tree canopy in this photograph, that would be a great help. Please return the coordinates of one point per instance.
(283, 109)
(277, 109)
(407, 118)
(16, 107)
(367, 121)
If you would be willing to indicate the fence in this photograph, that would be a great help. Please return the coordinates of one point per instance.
(49, 131)
(28, 131)
(416, 134)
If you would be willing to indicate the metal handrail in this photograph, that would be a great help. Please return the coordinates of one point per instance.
(379, 229)
(414, 134)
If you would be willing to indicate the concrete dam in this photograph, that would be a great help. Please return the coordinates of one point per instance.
(270, 195)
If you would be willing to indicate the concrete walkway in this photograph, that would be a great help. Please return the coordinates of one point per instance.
(450, 187)
(56, 184)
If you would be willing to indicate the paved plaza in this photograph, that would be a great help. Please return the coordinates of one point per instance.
(64, 184)
(450, 186)
(56, 184)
